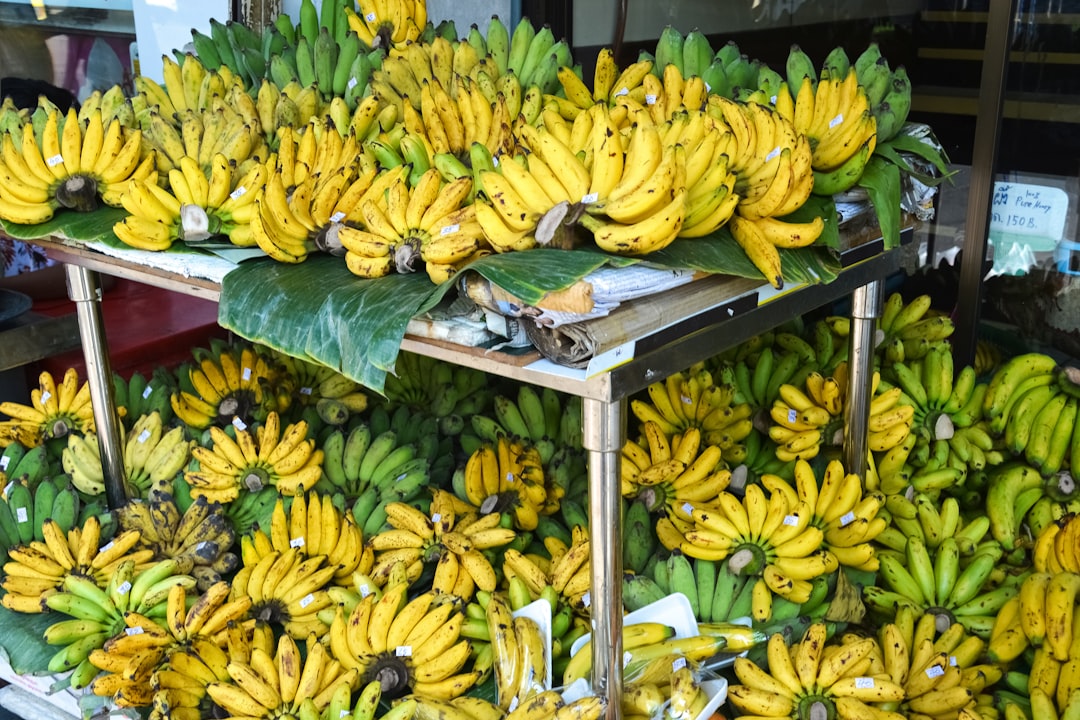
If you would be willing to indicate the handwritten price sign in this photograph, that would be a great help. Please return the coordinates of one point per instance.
(1034, 210)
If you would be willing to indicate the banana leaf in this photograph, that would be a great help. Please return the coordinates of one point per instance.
(96, 225)
(26, 651)
(881, 180)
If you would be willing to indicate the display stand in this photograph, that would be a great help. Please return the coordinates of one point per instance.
(700, 334)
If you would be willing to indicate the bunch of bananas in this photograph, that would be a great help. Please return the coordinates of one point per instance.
(835, 116)
(100, 616)
(129, 659)
(1034, 404)
(310, 384)
(66, 165)
(282, 457)
(179, 683)
(683, 696)
(849, 517)
(286, 588)
(152, 455)
(427, 223)
(693, 399)
(23, 511)
(201, 537)
(764, 536)
(1055, 547)
(225, 383)
(387, 24)
(140, 395)
(509, 477)
(930, 521)
(807, 420)
(664, 475)
(424, 383)
(787, 359)
(266, 683)
(81, 459)
(1044, 615)
(941, 580)
(453, 538)
(315, 526)
(519, 653)
(38, 569)
(888, 91)
(407, 644)
(568, 573)
(1011, 491)
(54, 410)
(187, 211)
(908, 331)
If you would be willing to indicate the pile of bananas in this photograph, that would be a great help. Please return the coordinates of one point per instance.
(23, 510)
(200, 537)
(909, 330)
(316, 526)
(54, 411)
(225, 384)
(509, 477)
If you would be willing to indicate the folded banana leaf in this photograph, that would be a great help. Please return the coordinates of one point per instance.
(26, 651)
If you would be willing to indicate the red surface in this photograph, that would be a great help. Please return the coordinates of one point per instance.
(144, 327)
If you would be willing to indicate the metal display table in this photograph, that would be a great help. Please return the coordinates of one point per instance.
(701, 333)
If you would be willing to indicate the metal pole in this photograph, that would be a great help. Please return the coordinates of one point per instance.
(866, 304)
(84, 291)
(602, 426)
(984, 161)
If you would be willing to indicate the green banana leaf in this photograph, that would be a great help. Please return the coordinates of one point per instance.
(96, 225)
(881, 180)
(21, 635)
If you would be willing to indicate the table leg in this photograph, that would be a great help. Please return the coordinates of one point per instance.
(84, 291)
(602, 425)
(866, 304)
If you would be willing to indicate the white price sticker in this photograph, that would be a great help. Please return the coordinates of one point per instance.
(953, 661)
(3, 465)
(343, 713)
(147, 392)
(296, 542)
(106, 547)
(401, 477)
(513, 705)
(626, 658)
(133, 631)
(436, 517)
(622, 91)
(143, 436)
(54, 160)
(245, 374)
(792, 415)
(364, 590)
(864, 683)
(772, 153)
(7, 488)
(238, 193)
(934, 671)
(791, 520)
(589, 199)
(678, 664)
(688, 508)
(509, 478)
(586, 599)
(305, 391)
(449, 229)
(201, 546)
(20, 515)
(337, 217)
(847, 518)
(772, 99)
(836, 120)
(494, 161)
(124, 589)
(353, 82)
(403, 651)
(307, 600)
(45, 396)
(238, 423)
(650, 99)
(370, 17)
